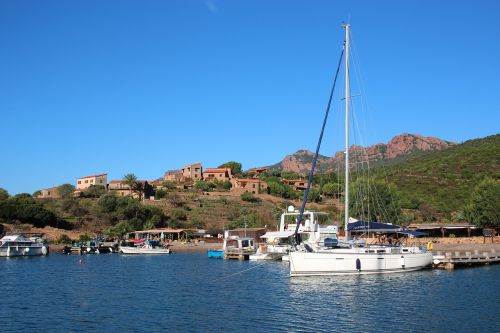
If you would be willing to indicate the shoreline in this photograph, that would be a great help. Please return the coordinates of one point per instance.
(459, 244)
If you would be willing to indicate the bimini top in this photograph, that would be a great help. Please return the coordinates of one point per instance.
(373, 226)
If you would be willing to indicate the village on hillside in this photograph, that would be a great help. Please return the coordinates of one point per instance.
(183, 179)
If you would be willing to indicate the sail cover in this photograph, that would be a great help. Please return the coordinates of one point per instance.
(371, 226)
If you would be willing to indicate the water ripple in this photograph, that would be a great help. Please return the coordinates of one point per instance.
(190, 293)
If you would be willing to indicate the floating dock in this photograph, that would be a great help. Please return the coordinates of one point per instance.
(449, 260)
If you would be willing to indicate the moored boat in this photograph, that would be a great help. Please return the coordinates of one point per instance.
(19, 246)
(332, 256)
(240, 248)
(147, 247)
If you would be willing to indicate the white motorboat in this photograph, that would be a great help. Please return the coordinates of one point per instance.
(236, 247)
(147, 247)
(20, 245)
(330, 256)
(278, 244)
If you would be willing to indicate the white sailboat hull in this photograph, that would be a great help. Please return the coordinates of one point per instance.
(351, 261)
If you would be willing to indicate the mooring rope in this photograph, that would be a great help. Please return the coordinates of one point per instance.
(245, 270)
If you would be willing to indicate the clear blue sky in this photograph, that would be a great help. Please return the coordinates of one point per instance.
(146, 86)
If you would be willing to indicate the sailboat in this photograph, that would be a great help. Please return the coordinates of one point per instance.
(343, 257)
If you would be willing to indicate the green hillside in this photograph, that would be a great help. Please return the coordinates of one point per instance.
(443, 180)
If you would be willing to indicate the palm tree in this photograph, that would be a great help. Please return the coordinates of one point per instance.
(131, 180)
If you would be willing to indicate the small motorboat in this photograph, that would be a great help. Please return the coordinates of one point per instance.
(146, 247)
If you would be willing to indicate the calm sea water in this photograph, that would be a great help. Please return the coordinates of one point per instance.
(187, 292)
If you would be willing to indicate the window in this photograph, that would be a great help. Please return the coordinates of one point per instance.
(91, 180)
(86, 181)
(100, 181)
(79, 182)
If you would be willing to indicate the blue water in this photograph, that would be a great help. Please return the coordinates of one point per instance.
(187, 292)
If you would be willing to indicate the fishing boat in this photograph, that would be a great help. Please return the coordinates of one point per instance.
(333, 256)
(146, 247)
(20, 246)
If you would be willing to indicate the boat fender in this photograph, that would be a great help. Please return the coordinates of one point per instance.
(26, 249)
(308, 248)
(44, 250)
(429, 246)
(358, 264)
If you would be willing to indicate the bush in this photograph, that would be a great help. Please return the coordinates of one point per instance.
(247, 196)
(63, 239)
(204, 186)
(84, 238)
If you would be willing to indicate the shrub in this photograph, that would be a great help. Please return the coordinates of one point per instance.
(63, 239)
(247, 196)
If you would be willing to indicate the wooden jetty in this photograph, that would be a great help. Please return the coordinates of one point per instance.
(449, 260)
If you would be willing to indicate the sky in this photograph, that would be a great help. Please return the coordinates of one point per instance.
(146, 86)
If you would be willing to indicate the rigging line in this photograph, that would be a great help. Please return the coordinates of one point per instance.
(311, 173)
(244, 270)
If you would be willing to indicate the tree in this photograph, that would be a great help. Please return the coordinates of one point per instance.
(234, 166)
(330, 189)
(148, 190)
(204, 186)
(130, 179)
(107, 203)
(4, 195)
(484, 204)
(94, 191)
(374, 200)
(168, 184)
(138, 188)
(65, 190)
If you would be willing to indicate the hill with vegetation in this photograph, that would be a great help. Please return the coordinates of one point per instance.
(458, 184)
(441, 182)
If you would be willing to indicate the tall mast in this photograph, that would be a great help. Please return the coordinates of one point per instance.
(347, 28)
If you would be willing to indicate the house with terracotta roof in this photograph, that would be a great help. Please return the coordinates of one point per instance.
(252, 185)
(119, 188)
(256, 172)
(220, 174)
(85, 182)
(296, 184)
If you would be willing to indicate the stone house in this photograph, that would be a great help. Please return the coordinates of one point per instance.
(173, 176)
(51, 192)
(252, 185)
(192, 172)
(220, 174)
(296, 184)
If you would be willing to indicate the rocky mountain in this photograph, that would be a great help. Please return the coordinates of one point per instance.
(400, 146)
